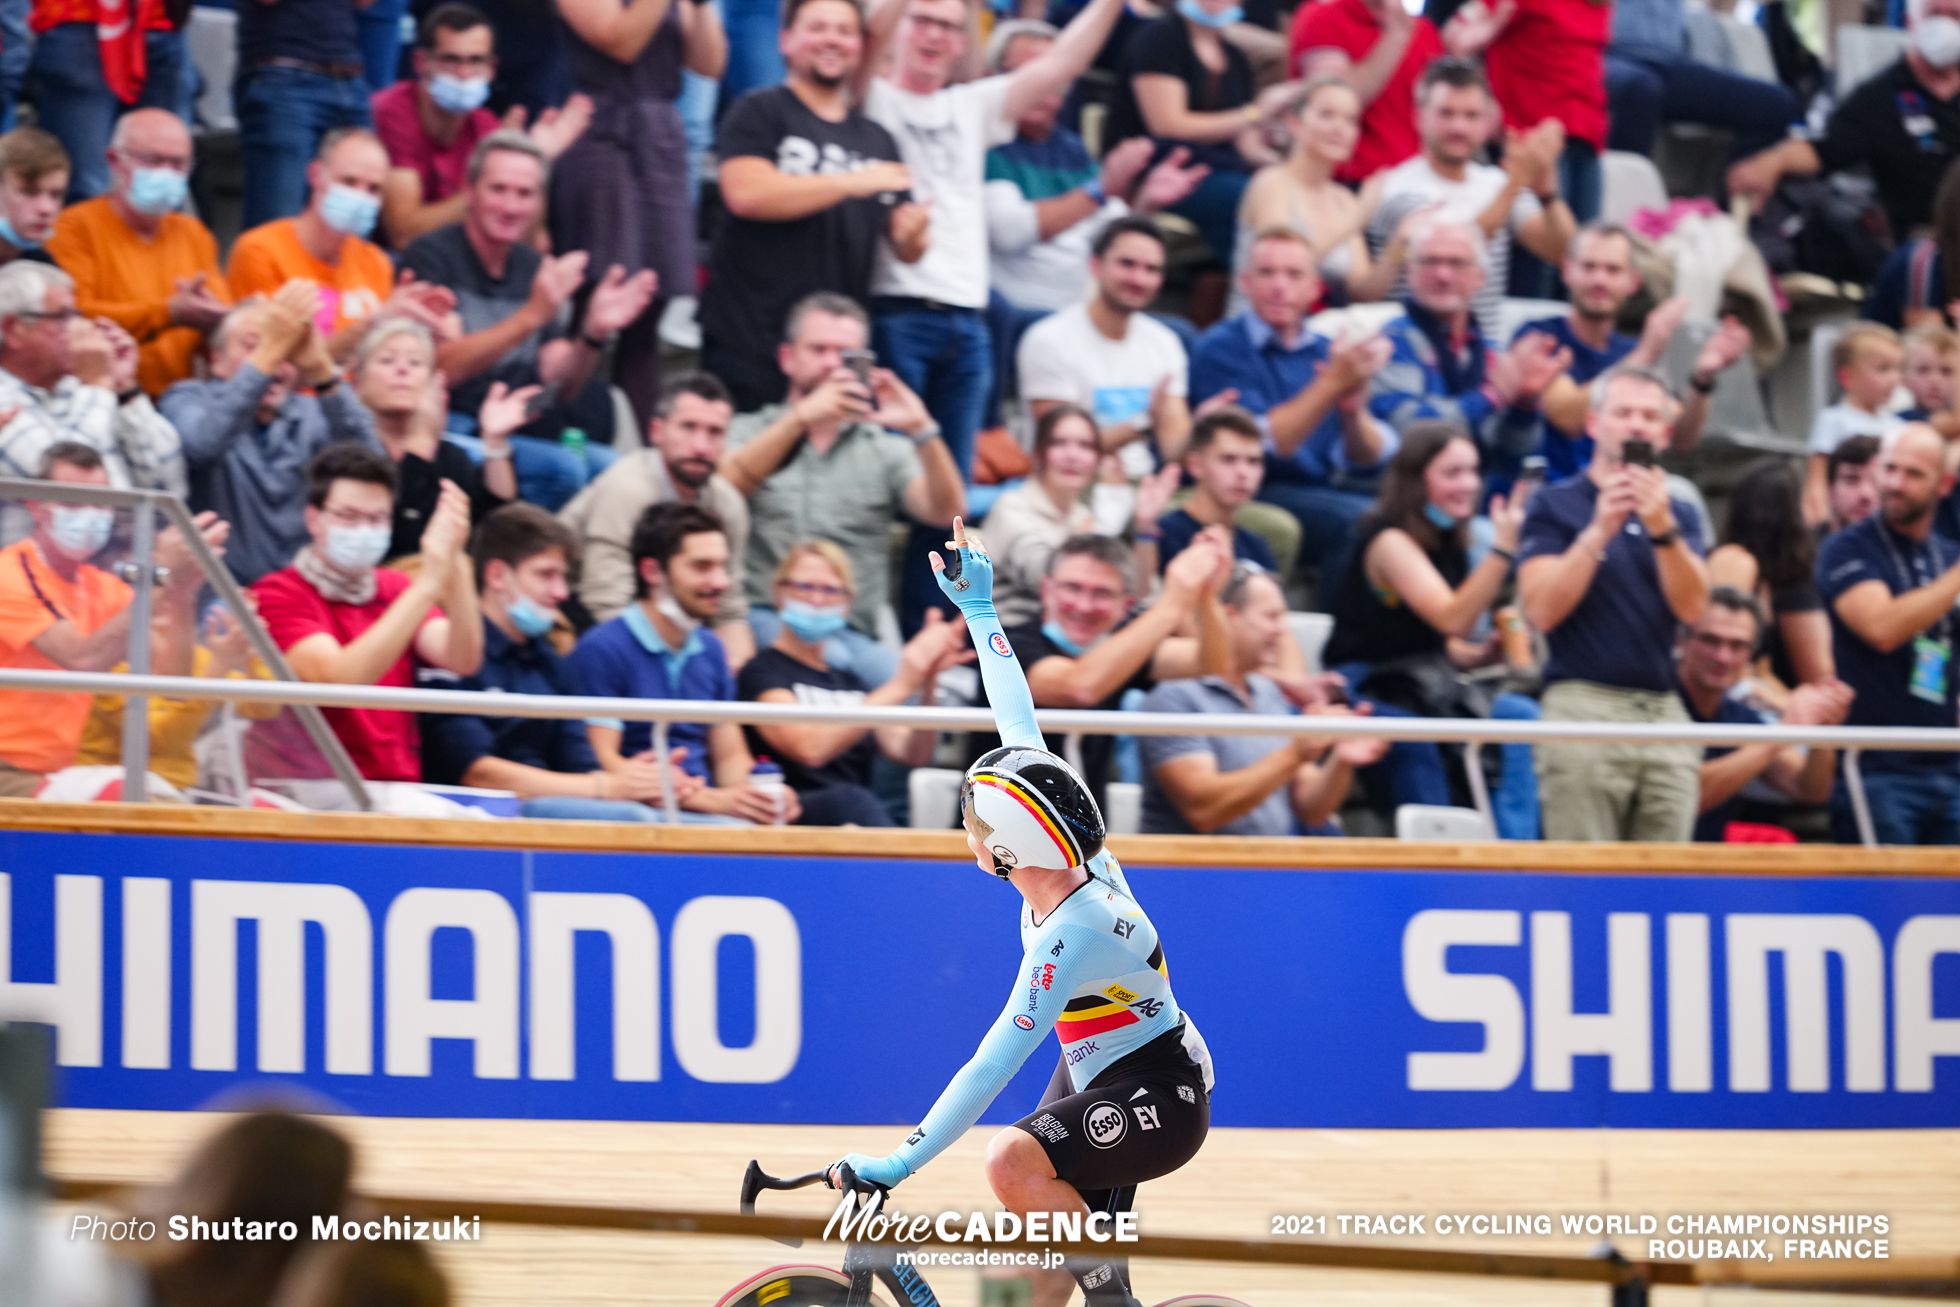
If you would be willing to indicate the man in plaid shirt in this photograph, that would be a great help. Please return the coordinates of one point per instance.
(65, 378)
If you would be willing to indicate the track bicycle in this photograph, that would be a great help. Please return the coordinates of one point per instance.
(867, 1266)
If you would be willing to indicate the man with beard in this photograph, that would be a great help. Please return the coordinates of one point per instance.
(1600, 276)
(810, 185)
(1111, 357)
(657, 649)
(685, 442)
(1891, 582)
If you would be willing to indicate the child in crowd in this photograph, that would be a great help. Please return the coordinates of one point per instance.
(1866, 363)
(1932, 374)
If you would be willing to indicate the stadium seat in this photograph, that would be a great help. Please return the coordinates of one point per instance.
(1123, 808)
(935, 795)
(1735, 411)
(1310, 632)
(1863, 52)
(1425, 821)
(1632, 183)
(626, 428)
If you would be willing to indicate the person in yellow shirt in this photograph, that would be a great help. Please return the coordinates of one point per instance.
(136, 260)
(326, 243)
(175, 724)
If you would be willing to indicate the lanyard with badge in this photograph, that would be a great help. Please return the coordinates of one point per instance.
(1932, 654)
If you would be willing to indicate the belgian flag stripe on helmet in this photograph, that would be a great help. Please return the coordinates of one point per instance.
(1038, 807)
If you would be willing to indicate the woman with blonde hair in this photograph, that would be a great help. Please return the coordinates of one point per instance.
(394, 376)
(1300, 192)
(828, 766)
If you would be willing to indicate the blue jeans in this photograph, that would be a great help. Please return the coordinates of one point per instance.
(562, 807)
(548, 474)
(697, 109)
(65, 78)
(946, 357)
(16, 52)
(1515, 804)
(1644, 92)
(1411, 771)
(1907, 808)
(282, 114)
(379, 30)
(1007, 322)
(1214, 209)
(1327, 516)
(753, 59)
(850, 650)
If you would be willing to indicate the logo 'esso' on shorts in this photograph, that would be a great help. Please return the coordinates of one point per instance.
(1024, 1021)
(999, 642)
(1106, 1124)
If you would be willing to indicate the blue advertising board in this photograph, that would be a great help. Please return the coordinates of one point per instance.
(454, 981)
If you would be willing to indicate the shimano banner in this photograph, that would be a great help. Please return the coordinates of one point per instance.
(455, 981)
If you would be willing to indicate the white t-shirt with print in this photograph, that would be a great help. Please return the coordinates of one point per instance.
(1064, 357)
(943, 139)
(1838, 423)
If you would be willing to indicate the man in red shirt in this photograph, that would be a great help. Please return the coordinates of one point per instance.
(431, 123)
(1380, 49)
(344, 620)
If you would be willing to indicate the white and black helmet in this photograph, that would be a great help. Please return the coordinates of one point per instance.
(1030, 809)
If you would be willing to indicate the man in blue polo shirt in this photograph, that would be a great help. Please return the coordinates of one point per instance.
(1324, 451)
(1891, 582)
(1601, 277)
(659, 648)
(1608, 567)
(523, 555)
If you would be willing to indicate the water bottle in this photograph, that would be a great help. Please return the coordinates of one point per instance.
(768, 777)
(574, 440)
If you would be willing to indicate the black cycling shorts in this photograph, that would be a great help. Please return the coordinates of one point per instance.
(1142, 1118)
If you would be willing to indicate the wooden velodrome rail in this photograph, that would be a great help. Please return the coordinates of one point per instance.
(1940, 1275)
(1140, 850)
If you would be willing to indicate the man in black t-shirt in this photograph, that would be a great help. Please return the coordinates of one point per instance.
(513, 324)
(1227, 459)
(1903, 124)
(1087, 649)
(811, 185)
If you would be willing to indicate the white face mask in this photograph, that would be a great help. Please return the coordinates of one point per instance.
(1937, 39)
(670, 608)
(80, 532)
(358, 549)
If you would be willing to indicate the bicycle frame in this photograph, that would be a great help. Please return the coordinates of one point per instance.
(864, 1263)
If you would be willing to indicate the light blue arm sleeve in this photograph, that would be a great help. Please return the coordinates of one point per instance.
(1007, 685)
(1050, 973)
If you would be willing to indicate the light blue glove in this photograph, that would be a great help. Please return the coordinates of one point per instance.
(887, 1171)
(973, 592)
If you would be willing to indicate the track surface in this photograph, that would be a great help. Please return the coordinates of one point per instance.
(1235, 1186)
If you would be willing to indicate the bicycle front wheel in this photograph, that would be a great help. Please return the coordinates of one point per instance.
(796, 1286)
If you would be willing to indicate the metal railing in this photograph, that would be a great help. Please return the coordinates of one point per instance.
(1474, 732)
(143, 575)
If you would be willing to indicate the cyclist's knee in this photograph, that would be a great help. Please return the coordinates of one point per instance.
(1014, 1160)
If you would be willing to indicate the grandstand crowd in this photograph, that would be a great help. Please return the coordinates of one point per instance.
(646, 349)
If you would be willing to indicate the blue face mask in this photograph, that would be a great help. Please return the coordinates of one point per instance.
(812, 624)
(157, 190)
(348, 211)
(458, 94)
(1443, 521)
(14, 238)
(531, 618)
(1053, 630)
(1205, 18)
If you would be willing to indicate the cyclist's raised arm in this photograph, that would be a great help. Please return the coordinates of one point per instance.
(972, 592)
